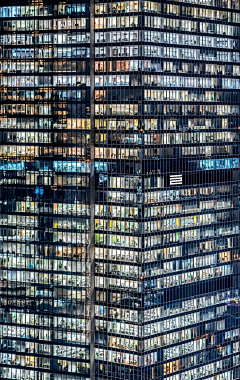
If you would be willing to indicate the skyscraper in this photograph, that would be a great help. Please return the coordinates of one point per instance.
(119, 235)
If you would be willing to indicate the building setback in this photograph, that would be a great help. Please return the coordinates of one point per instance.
(119, 190)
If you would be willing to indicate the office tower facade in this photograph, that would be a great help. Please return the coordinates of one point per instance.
(45, 209)
(119, 235)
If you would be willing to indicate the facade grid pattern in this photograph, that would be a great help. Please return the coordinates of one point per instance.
(119, 189)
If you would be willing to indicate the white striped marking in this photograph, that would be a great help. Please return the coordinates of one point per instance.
(176, 179)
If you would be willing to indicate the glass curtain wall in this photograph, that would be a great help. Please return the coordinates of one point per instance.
(119, 190)
(45, 201)
(167, 170)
